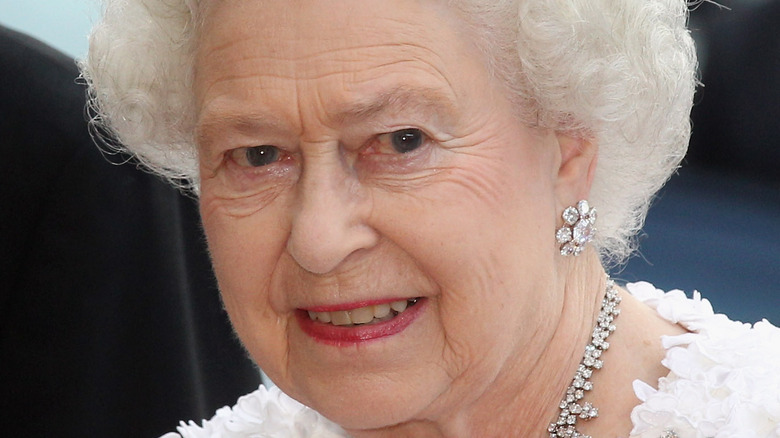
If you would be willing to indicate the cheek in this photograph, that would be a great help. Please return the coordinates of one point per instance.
(244, 247)
(485, 214)
(244, 252)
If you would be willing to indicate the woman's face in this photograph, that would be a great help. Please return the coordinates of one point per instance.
(357, 157)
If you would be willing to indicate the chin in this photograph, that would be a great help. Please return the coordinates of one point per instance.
(357, 406)
(371, 391)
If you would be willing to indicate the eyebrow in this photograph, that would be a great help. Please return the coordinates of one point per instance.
(403, 98)
(419, 101)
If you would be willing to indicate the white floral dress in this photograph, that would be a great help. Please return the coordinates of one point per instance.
(724, 382)
(724, 378)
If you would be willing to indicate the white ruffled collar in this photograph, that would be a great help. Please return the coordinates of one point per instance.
(724, 381)
(264, 413)
(724, 378)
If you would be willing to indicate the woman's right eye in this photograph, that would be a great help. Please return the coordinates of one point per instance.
(255, 156)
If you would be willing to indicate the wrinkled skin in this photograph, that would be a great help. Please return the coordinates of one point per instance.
(465, 220)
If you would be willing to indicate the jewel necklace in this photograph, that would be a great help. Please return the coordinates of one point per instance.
(570, 407)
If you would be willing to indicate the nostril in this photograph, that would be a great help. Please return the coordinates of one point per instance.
(320, 245)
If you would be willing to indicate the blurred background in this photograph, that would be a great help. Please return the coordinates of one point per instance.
(62, 24)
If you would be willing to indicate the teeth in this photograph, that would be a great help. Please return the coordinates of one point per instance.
(340, 317)
(323, 316)
(398, 306)
(381, 310)
(362, 315)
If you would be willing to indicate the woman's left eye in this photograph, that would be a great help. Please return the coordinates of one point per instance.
(256, 156)
(405, 140)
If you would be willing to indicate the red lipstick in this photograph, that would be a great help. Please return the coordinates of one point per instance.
(354, 334)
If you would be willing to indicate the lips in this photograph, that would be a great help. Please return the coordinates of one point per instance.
(359, 323)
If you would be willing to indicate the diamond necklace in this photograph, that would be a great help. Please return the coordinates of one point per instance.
(570, 407)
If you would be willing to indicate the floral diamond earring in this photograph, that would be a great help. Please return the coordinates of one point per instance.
(578, 228)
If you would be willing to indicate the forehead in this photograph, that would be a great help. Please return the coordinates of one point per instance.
(306, 29)
(314, 39)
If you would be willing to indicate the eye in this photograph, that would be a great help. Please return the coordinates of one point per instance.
(256, 156)
(405, 140)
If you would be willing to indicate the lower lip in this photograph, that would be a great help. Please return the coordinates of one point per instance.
(344, 336)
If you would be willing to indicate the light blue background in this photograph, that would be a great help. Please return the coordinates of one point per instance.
(63, 24)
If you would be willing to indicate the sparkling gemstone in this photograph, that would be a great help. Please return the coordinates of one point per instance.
(563, 235)
(583, 232)
(568, 249)
(591, 216)
(583, 207)
(570, 215)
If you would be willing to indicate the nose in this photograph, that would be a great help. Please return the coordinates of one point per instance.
(329, 219)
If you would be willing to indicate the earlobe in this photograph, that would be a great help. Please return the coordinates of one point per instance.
(577, 167)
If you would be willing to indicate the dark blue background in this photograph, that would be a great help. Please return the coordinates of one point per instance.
(716, 226)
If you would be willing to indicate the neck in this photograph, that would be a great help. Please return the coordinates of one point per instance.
(635, 353)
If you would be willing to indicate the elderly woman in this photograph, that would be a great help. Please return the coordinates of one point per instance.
(400, 203)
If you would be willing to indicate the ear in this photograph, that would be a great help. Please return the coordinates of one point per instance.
(576, 169)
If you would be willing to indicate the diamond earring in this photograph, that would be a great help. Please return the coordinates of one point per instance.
(578, 228)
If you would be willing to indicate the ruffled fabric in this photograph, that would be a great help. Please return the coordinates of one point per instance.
(724, 382)
(724, 378)
(265, 413)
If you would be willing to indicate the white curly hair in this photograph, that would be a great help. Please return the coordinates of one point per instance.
(621, 73)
